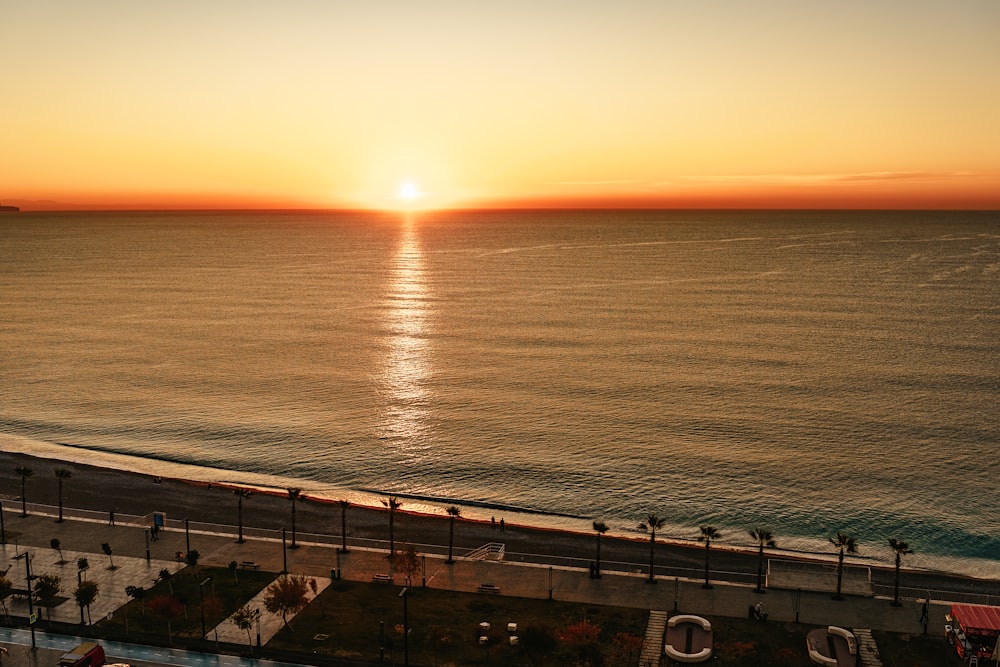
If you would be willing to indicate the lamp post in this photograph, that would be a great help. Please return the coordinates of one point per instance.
(284, 553)
(257, 616)
(3, 531)
(79, 582)
(201, 603)
(31, 606)
(187, 536)
(147, 545)
(406, 629)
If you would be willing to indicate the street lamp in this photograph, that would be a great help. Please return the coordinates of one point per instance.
(201, 603)
(406, 629)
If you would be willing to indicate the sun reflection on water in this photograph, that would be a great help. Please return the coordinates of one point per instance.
(407, 367)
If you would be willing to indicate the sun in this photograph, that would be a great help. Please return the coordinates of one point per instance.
(409, 191)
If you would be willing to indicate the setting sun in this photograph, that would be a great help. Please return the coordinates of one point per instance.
(409, 191)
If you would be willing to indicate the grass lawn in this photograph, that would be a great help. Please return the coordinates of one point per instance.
(223, 595)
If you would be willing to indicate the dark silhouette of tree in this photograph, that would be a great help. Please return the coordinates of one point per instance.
(600, 528)
(47, 587)
(24, 473)
(62, 474)
(407, 563)
(343, 525)
(106, 548)
(293, 495)
(6, 590)
(85, 594)
(900, 548)
(844, 544)
(244, 619)
(651, 525)
(168, 608)
(137, 593)
(764, 539)
(55, 544)
(167, 576)
(234, 567)
(708, 533)
(191, 557)
(453, 513)
(82, 564)
(287, 595)
(393, 504)
(240, 495)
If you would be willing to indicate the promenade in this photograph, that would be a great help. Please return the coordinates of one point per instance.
(82, 537)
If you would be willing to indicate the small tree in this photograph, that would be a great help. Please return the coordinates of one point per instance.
(82, 564)
(24, 473)
(166, 575)
(191, 557)
(137, 593)
(583, 637)
(106, 548)
(61, 475)
(6, 590)
(55, 544)
(234, 567)
(168, 608)
(627, 647)
(244, 618)
(287, 595)
(47, 587)
(85, 594)
(407, 562)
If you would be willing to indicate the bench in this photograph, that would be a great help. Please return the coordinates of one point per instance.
(381, 579)
(249, 564)
(489, 588)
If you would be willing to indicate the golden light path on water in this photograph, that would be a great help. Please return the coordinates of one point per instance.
(407, 366)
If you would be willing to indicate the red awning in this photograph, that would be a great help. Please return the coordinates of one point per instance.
(977, 617)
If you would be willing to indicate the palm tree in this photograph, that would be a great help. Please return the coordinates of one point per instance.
(393, 504)
(454, 513)
(901, 549)
(764, 539)
(344, 504)
(293, 495)
(24, 472)
(61, 475)
(844, 544)
(651, 525)
(601, 528)
(708, 533)
(240, 495)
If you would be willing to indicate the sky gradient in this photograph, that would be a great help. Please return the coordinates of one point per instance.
(325, 104)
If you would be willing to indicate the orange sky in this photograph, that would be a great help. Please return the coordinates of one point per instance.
(314, 104)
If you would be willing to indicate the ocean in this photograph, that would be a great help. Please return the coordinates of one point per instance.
(810, 372)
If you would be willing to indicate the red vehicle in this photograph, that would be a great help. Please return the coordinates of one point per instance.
(87, 654)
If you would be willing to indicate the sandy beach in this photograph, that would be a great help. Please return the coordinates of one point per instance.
(106, 490)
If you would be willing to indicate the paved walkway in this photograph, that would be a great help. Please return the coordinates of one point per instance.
(628, 589)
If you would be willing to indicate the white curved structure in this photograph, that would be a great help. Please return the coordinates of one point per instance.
(700, 655)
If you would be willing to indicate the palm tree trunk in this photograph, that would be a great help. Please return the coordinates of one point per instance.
(60, 519)
(597, 567)
(760, 570)
(24, 502)
(708, 547)
(652, 545)
(896, 602)
(239, 516)
(293, 545)
(840, 573)
(343, 528)
(451, 540)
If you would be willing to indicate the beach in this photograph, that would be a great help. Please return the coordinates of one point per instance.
(107, 490)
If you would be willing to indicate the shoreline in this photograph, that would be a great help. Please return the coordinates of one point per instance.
(103, 489)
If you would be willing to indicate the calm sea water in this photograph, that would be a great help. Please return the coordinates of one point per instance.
(810, 372)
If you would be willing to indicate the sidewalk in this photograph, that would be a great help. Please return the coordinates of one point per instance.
(628, 589)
